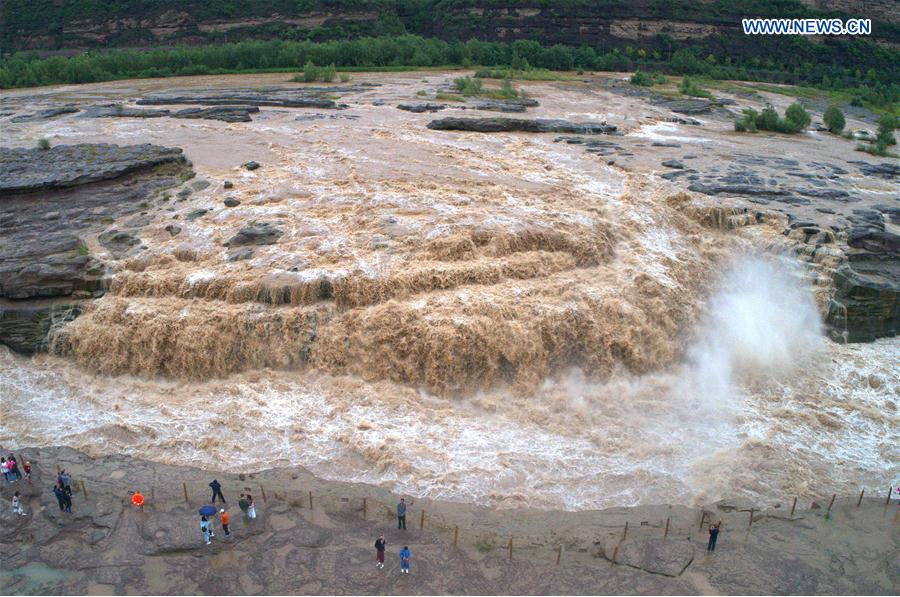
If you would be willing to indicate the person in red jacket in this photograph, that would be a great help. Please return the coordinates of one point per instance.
(226, 520)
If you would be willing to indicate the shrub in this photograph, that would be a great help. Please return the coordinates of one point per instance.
(641, 79)
(507, 91)
(690, 87)
(421, 93)
(886, 126)
(43, 143)
(834, 119)
(311, 73)
(467, 85)
(344, 77)
(797, 117)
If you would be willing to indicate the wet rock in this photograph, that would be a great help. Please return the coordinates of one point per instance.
(282, 97)
(675, 164)
(200, 184)
(665, 144)
(669, 557)
(28, 170)
(251, 165)
(420, 108)
(118, 243)
(494, 125)
(195, 214)
(25, 327)
(47, 266)
(227, 184)
(173, 230)
(223, 113)
(509, 105)
(45, 114)
(240, 254)
(231, 202)
(688, 106)
(121, 111)
(690, 121)
(257, 233)
(887, 170)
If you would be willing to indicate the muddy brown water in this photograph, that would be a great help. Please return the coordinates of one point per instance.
(514, 321)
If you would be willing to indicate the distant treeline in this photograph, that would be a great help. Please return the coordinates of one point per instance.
(834, 66)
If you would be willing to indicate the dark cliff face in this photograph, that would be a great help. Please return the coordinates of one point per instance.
(79, 24)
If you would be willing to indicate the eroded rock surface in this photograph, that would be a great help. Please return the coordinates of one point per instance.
(538, 125)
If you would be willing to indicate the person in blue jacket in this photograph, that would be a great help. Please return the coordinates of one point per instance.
(405, 555)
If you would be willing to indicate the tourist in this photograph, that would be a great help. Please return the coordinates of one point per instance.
(225, 521)
(64, 479)
(4, 468)
(405, 555)
(67, 498)
(17, 505)
(60, 496)
(251, 509)
(13, 468)
(713, 535)
(379, 551)
(217, 491)
(204, 528)
(401, 514)
(27, 468)
(244, 505)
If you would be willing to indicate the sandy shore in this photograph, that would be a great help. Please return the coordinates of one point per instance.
(106, 546)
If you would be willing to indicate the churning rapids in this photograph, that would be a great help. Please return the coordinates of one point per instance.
(513, 321)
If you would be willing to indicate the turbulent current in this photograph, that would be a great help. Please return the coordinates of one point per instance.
(491, 318)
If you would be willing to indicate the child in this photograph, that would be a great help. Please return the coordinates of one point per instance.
(17, 505)
(405, 555)
(204, 528)
(379, 551)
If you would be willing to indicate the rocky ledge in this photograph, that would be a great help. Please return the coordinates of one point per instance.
(55, 205)
(318, 538)
(306, 97)
(224, 113)
(536, 125)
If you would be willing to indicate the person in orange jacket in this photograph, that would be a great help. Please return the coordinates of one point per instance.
(226, 520)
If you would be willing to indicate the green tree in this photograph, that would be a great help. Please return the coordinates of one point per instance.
(797, 117)
(834, 119)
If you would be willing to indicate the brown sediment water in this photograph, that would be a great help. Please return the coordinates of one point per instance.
(493, 318)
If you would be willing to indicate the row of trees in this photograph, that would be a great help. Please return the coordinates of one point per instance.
(26, 70)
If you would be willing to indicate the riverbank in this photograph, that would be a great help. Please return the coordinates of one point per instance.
(314, 537)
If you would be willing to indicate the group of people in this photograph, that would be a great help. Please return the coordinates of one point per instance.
(9, 466)
(245, 503)
(405, 555)
(63, 491)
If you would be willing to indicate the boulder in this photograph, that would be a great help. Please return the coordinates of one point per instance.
(25, 327)
(120, 111)
(196, 213)
(419, 108)
(227, 184)
(257, 233)
(118, 243)
(688, 106)
(45, 114)
(674, 164)
(251, 165)
(28, 170)
(48, 266)
(538, 125)
(223, 113)
(231, 202)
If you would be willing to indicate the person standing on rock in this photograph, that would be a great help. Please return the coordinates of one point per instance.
(379, 551)
(251, 508)
(17, 505)
(4, 468)
(217, 491)
(226, 520)
(713, 535)
(401, 514)
(244, 505)
(60, 496)
(67, 498)
(27, 468)
(64, 480)
(13, 468)
(205, 529)
(405, 556)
